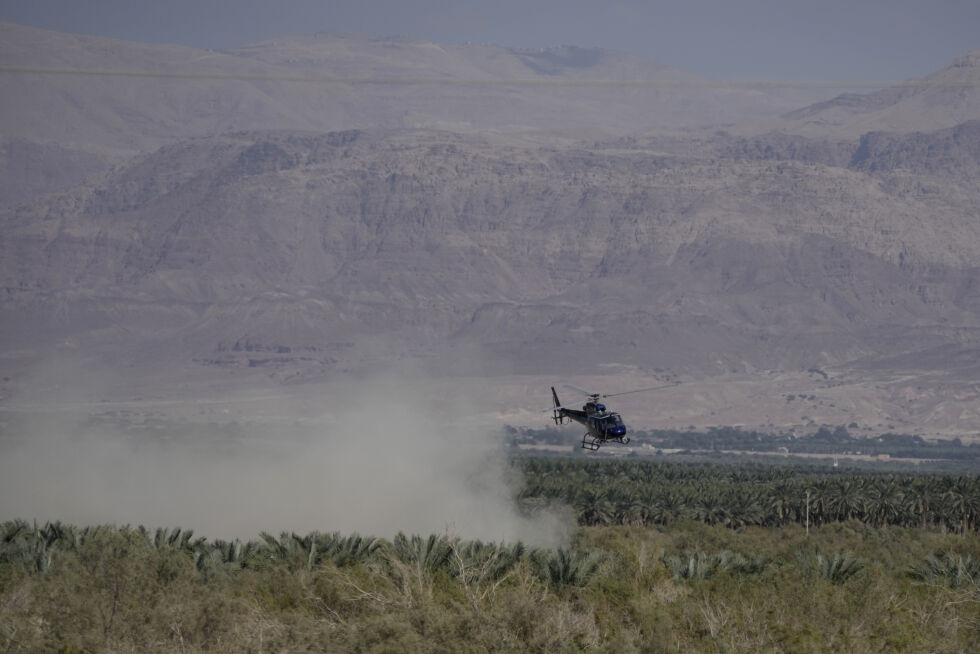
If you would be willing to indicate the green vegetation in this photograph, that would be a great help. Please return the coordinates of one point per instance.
(647, 493)
(710, 566)
(826, 440)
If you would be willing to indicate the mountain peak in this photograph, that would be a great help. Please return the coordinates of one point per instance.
(940, 100)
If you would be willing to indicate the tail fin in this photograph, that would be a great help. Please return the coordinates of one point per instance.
(557, 415)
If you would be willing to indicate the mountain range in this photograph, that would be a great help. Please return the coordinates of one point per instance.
(309, 205)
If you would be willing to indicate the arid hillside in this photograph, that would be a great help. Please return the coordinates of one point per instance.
(106, 94)
(222, 219)
(939, 100)
(304, 239)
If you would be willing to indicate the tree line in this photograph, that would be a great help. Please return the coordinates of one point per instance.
(827, 440)
(646, 493)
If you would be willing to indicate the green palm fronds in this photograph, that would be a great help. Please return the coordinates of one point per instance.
(426, 554)
(952, 570)
(839, 566)
(176, 538)
(346, 550)
(700, 565)
(487, 561)
(562, 567)
(685, 567)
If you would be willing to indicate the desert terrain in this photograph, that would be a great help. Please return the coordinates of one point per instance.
(219, 237)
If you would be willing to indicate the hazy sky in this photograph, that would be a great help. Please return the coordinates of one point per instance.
(800, 40)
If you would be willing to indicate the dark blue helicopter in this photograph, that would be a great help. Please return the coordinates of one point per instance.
(603, 426)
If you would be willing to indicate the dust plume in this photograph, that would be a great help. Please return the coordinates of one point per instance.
(384, 455)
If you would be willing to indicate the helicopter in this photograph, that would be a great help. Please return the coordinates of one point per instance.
(603, 426)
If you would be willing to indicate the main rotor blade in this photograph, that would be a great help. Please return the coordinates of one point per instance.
(555, 408)
(640, 390)
(578, 390)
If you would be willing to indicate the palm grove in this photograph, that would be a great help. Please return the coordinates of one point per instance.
(666, 558)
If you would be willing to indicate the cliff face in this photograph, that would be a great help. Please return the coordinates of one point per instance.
(313, 240)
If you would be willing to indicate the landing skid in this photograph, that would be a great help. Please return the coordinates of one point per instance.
(592, 444)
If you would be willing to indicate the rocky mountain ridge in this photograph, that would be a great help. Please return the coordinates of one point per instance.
(103, 93)
(467, 237)
(216, 216)
(940, 100)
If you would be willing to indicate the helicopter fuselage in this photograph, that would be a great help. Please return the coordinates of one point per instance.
(602, 425)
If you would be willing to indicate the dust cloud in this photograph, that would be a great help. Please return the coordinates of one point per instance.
(384, 455)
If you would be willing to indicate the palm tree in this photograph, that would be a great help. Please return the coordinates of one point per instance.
(684, 567)
(630, 508)
(839, 567)
(24, 547)
(711, 509)
(744, 509)
(343, 551)
(175, 539)
(845, 499)
(562, 568)
(951, 570)
(783, 499)
(736, 563)
(298, 551)
(594, 507)
(57, 532)
(818, 511)
(964, 499)
(884, 503)
(667, 507)
(487, 562)
(427, 555)
(921, 503)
